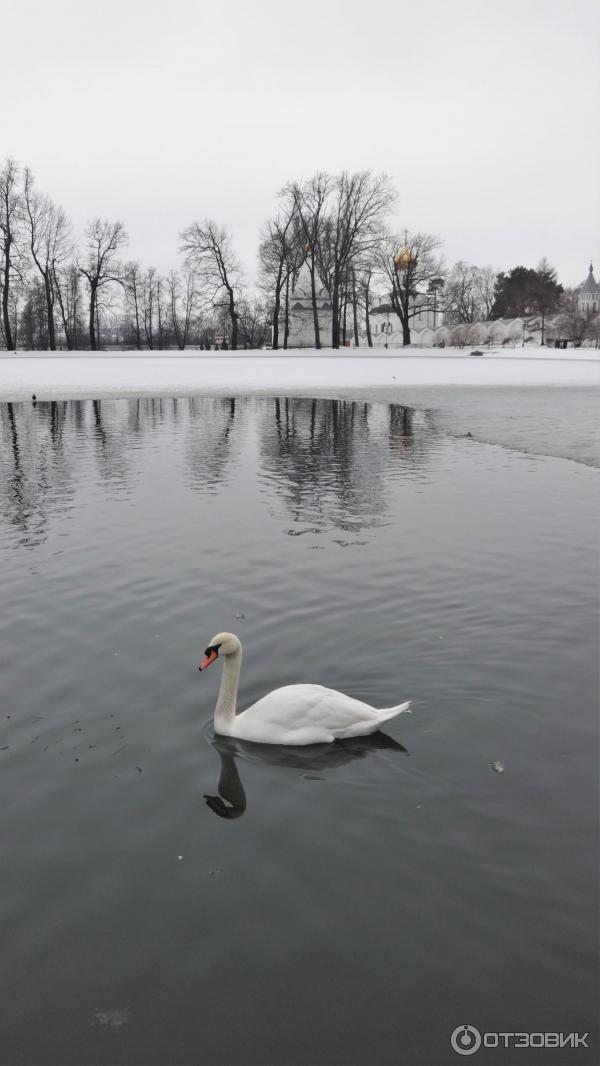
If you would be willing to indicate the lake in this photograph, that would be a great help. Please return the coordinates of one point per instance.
(172, 897)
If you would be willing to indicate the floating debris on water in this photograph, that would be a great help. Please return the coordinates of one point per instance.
(498, 767)
(111, 1019)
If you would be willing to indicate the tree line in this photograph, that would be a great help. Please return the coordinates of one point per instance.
(57, 291)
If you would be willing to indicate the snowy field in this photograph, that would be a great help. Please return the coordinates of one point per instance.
(80, 375)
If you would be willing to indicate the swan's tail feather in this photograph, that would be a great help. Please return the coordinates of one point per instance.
(372, 724)
(390, 712)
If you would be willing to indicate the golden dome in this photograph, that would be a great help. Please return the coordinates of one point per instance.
(405, 258)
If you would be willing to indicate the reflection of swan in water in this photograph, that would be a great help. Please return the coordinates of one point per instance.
(231, 801)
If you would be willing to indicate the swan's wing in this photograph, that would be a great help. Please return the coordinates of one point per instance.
(304, 714)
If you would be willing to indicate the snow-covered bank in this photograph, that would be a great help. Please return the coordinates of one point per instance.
(79, 375)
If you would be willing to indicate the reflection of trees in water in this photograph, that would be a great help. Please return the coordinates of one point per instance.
(332, 457)
(327, 459)
(110, 433)
(36, 476)
(121, 427)
(147, 415)
(209, 444)
(45, 447)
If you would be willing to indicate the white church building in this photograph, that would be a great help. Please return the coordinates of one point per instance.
(301, 316)
(386, 328)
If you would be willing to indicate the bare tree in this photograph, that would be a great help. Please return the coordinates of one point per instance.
(100, 265)
(408, 268)
(150, 304)
(575, 325)
(66, 282)
(364, 297)
(278, 259)
(461, 299)
(485, 288)
(469, 293)
(132, 289)
(109, 317)
(161, 309)
(254, 322)
(11, 209)
(352, 231)
(308, 201)
(209, 253)
(33, 322)
(20, 287)
(48, 233)
(182, 305)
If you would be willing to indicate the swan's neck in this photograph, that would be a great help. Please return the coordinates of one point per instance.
(225, 709)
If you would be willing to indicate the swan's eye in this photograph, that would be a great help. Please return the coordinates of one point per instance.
(213, 647)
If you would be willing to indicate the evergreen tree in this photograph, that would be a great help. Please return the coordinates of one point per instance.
(524, 291)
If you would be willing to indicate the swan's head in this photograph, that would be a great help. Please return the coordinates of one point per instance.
(222, 644)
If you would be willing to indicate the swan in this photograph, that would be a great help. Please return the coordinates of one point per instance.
(294, 714)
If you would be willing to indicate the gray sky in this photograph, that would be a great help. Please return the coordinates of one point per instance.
(485, 114)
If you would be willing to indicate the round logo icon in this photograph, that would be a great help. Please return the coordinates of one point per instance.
(466, 1039)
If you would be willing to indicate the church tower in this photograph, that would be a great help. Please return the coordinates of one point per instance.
(302, 329)
(588, 297)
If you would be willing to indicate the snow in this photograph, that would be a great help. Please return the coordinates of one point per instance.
(81, 375)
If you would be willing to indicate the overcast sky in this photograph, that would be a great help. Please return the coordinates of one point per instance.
(485, 114)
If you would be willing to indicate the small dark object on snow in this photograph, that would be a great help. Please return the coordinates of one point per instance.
(470, 436)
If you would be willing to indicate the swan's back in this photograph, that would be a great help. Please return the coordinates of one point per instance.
(308, 714)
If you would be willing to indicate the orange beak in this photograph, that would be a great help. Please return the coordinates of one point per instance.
(210, 658)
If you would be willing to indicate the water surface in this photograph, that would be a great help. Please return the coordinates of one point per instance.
(350, 904)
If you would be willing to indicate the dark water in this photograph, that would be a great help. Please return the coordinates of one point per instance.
(350, 904)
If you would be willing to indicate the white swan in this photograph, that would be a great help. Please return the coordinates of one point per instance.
(295, 714)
